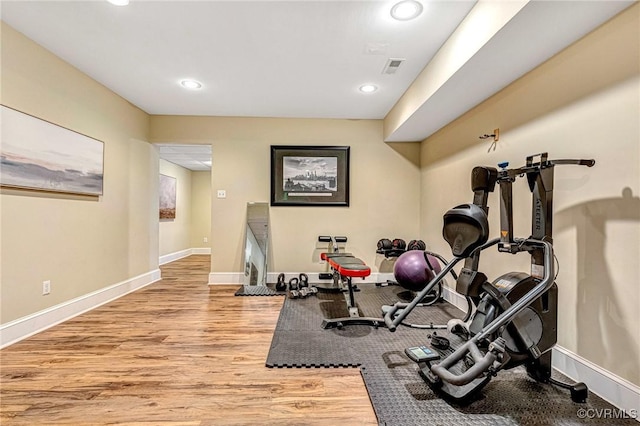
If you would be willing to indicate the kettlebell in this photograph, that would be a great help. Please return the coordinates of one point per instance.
(280, 284)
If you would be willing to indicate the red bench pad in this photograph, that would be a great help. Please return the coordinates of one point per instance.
(347, 266)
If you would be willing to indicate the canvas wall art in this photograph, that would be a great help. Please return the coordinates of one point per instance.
(38, 155)
(167, 197)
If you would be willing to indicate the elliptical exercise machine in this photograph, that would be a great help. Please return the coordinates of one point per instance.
(515, 320)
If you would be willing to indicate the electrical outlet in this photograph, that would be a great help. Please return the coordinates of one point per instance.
(46, 287)
(222, 193)
(205, 239)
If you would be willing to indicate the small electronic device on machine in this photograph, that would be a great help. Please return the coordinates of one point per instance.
(421, 354)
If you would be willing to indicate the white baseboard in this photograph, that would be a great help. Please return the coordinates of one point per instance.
(201, 250)
(618, 391)
(14, 331)
(167, 258)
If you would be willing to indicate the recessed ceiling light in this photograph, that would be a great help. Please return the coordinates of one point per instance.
(368, 88)
(119, 2)
(191, 84)
(406, 10)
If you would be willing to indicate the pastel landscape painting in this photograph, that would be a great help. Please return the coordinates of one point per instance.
(167, 197)
(38, 155)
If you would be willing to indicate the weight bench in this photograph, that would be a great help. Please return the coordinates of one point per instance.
(346, 267)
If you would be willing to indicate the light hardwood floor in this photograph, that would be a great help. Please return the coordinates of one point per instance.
(177, 352)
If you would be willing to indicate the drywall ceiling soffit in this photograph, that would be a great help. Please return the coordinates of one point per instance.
(536, 33)
(295, 58)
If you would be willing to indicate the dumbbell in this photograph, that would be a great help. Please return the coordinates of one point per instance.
(294, 294)
(384, 244)
(417, 245)
(307, 291)
(398, 244)
(302, 293)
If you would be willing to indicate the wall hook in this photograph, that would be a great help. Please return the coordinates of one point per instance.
(495, 135)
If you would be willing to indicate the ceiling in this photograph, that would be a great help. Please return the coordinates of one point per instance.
(254, 58)
(297, 58)
(192, 157)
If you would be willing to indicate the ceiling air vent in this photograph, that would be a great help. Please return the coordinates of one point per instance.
(392, 65)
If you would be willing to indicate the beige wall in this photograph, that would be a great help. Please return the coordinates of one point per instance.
(175, 234)
(583, 103)
(80, 244)
(193, 211)
(200, 209)
(385, 186)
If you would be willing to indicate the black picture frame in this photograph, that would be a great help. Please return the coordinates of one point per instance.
(309, 175)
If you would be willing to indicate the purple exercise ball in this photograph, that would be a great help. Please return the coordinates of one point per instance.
(412, 270)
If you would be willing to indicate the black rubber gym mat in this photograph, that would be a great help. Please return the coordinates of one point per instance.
(398, 394)
(259, 290)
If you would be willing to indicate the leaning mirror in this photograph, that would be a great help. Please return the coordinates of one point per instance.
(256, 243)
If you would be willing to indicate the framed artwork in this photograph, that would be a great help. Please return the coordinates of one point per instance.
(38, 155)
(167, 197)
(309, 175)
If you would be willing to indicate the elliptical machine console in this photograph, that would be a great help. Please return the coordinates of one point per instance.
(515, 317)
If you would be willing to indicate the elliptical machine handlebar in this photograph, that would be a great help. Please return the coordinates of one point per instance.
(483, 362)
(544, 162)
(588, 163)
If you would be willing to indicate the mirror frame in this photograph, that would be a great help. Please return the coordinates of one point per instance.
(256, 246)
